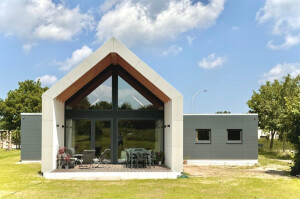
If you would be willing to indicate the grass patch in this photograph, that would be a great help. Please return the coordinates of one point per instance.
(23, 181)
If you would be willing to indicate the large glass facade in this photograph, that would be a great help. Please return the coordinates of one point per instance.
(95, 119)
(146, 134)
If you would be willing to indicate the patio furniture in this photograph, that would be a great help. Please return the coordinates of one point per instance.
(140, 160)
(138, 156)
(128, 158)
(101, 159)
(87, 159)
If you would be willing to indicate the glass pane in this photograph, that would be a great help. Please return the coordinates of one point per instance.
(131, 99)
(234, 134)
(102, 137)
(203, 134)
(78, 135)
(100, 98)
(146, 134)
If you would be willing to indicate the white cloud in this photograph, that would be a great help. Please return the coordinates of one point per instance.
(172, 50)
(146, 22)
(281, 70)
(284, 19)
(190, 40)
(77, 56)
(212, 61)
(47, 80)
(33, 20)
(235, 28)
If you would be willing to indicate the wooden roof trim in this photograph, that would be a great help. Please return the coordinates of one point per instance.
(144, 81)
(115, 59)
(85, 79)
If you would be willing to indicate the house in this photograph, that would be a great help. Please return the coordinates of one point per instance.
(113, 100)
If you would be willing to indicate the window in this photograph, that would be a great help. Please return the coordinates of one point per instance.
(203, 135)
(100, 98)
(234, 135)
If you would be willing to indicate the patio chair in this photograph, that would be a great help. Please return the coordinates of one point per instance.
(102, 157)
(151, 158)
(128, 158)
(87, 159)
(140, 160)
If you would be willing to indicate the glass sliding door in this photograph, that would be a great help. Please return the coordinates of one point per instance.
(147, 134)
(78, 134)
(103, 137)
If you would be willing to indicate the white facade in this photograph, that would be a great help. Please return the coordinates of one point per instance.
(53, 115)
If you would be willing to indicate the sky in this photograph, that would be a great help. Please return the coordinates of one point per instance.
(228, 48)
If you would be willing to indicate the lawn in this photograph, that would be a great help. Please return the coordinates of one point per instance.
(24, 181)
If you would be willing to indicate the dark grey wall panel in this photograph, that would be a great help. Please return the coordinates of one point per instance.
(31, 136)
(219, 148)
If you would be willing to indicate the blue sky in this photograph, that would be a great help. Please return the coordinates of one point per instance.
(226, 47)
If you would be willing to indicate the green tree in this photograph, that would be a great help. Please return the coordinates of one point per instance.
(25, 99)
(267, 103)
(293, 122)
(223, 112)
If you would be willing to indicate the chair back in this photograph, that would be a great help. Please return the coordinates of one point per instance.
(140, 156)
(71, 151)
(88, 156)
(104, 155)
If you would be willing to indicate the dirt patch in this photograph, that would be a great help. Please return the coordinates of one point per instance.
(271, 171)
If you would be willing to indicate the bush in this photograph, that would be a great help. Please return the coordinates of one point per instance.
(277, 145)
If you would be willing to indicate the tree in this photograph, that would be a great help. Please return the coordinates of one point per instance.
(293, 122)
(267, 103)
(25, 99)
(223, 112)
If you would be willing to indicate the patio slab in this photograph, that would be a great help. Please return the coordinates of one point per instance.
(113, 172)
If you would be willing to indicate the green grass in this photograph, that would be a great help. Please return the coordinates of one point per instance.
(24, 181)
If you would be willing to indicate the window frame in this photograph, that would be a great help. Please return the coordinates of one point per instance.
(235, 141)
(203, 141)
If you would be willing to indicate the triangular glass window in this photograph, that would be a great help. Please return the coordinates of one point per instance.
(130, 99)
(100, 98)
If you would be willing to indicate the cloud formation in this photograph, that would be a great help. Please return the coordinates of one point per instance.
(77, 56)
(172, 50)
(212, 61)
(47, 80)
(33, 20)
(281, 70)
(284, 19)
(146, 22)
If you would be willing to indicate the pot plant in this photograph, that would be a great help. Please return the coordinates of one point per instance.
(60, 153)
(160, 158)
(67, 161)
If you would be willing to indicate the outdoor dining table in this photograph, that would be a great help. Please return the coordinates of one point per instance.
(134, 151)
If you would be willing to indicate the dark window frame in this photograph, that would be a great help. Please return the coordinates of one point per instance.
(235, 141)
(203, 141)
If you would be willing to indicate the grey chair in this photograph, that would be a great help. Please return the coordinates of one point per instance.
(87, 159)
(101, 159)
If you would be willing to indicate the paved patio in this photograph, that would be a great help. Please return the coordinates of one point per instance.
(112, 172)
(116, 168)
